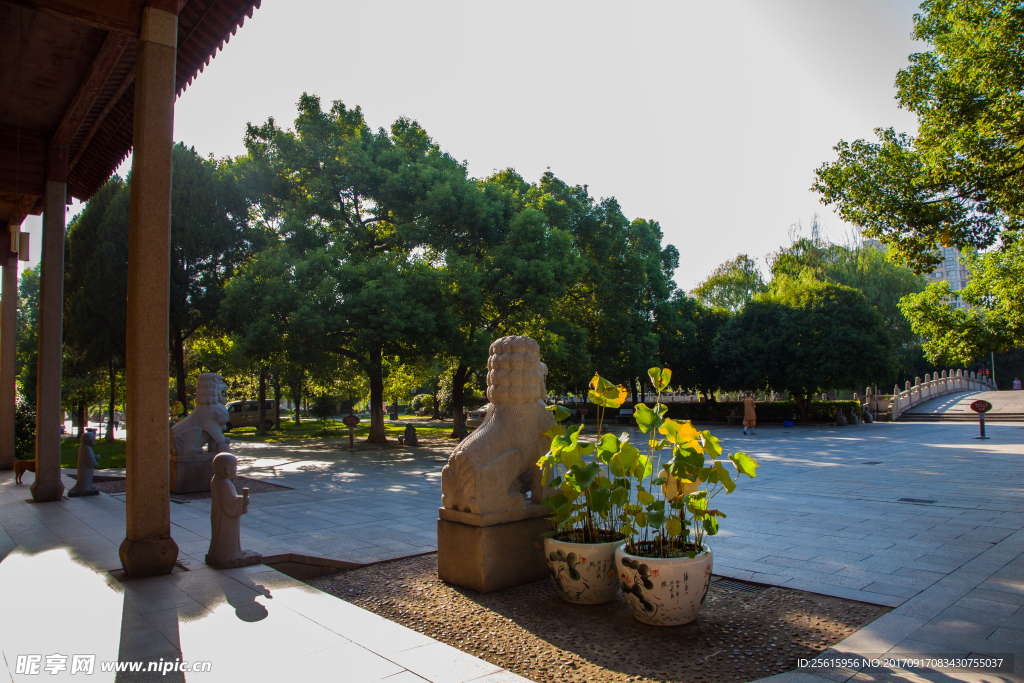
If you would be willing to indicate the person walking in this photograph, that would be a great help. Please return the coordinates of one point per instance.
(1016, 383)
(749, 415)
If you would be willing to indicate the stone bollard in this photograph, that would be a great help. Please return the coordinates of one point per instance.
(88, 461)
(226, 510)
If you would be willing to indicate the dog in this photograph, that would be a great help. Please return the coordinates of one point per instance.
(21, 466)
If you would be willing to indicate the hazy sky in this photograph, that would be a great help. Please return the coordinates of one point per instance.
(707, 117)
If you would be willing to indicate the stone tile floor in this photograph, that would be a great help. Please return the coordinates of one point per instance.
(63, 595)
(820, 517)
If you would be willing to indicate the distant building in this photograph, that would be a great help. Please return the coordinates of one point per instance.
(951, 270)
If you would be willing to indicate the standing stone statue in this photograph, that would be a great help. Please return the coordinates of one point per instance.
(226, 510)
(491, 487)
(410, 436)
(88, 461)
(200, 436)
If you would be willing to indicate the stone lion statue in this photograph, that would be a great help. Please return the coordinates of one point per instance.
(495, 466)
(204, 426)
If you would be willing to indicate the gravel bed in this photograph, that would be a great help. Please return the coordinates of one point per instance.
(254, 485)
(531, 631)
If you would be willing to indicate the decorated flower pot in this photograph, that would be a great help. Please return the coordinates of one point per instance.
(584, 573)
(664, 591)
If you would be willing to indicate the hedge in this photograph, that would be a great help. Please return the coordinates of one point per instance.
(767, 412)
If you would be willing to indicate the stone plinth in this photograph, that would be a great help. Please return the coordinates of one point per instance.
(191, 473)
(490, 552)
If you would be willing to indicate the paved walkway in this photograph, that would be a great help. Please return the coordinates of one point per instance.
(64, 595)
(825, 514)
(959, 404)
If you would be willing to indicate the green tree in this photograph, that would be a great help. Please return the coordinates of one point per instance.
(96, 295)
(28, 333)
(958, 181)
(688, 333)
(805, 336)
(354, 210)
(731, 285)
(993, 319)
(210, 237)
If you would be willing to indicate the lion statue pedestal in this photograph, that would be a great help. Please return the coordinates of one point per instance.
(488, 527)
(200, 436)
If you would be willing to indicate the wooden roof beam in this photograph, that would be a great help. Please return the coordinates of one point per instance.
(105, 15)
(99, 72)
(128, 79)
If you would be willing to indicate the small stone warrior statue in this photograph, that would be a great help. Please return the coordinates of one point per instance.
(226, 510)
(88, 461)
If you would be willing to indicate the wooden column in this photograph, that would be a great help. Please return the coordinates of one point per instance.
(47, 485)
(8, 352)
(148, 548)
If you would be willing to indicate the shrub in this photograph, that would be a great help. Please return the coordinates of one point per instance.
(324, 407)
(25, 431)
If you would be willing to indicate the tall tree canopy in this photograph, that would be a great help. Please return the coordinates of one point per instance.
(960, 180)
(731, 285)
(354, 210)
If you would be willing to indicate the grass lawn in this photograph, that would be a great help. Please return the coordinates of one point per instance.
(112, 454)
(314, 430)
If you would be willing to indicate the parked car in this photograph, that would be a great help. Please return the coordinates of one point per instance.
(247, 414)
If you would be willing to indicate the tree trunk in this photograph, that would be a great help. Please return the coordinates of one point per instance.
(297, 401)
(110, 406)
(81, 419)
(262, 427)
(436, 415)
(178, 349)
(632, 387)
(804, 404)
(376, 372)
(277, 402)
(458, 394)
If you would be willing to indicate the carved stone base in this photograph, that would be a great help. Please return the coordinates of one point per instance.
(47, 491)
(191, 474)
(246, 559)
(149, 557)
(488, 558)
(77, 494)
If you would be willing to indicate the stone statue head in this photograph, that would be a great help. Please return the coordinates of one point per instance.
(211, 389)
(225, 466)
(514, 371)
(89, 438)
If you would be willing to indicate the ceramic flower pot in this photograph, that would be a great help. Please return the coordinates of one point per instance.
(664, 591)
(584, 573)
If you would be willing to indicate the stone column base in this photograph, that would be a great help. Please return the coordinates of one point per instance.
(191, 474)
(246, 559)
(149, 557)
(76, 494)
(47, 491)
(487, 558)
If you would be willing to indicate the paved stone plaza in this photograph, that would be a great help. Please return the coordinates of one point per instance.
(823, 515)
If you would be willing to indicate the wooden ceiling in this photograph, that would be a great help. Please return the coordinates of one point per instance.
(67, 72)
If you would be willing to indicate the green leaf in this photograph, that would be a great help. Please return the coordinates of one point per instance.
(641, 519)
(723, 476)
(563, 512)
(644, 497)
(620, 497)
(678, 432)
(656, 518)
(711, 444)
(559, 412)
(643, 467)
(745, 464)
(646, 419)
(660, 378)
(600, 500)
(673, 526)
(710, 525)
(604, 393)
(623, 463)
(607, 447)
(556, 501)
(582, 477)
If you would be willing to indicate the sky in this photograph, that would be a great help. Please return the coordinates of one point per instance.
(709, 118)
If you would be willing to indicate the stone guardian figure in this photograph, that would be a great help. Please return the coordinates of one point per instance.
(200, 436)
(88, 461)
(226, 510)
